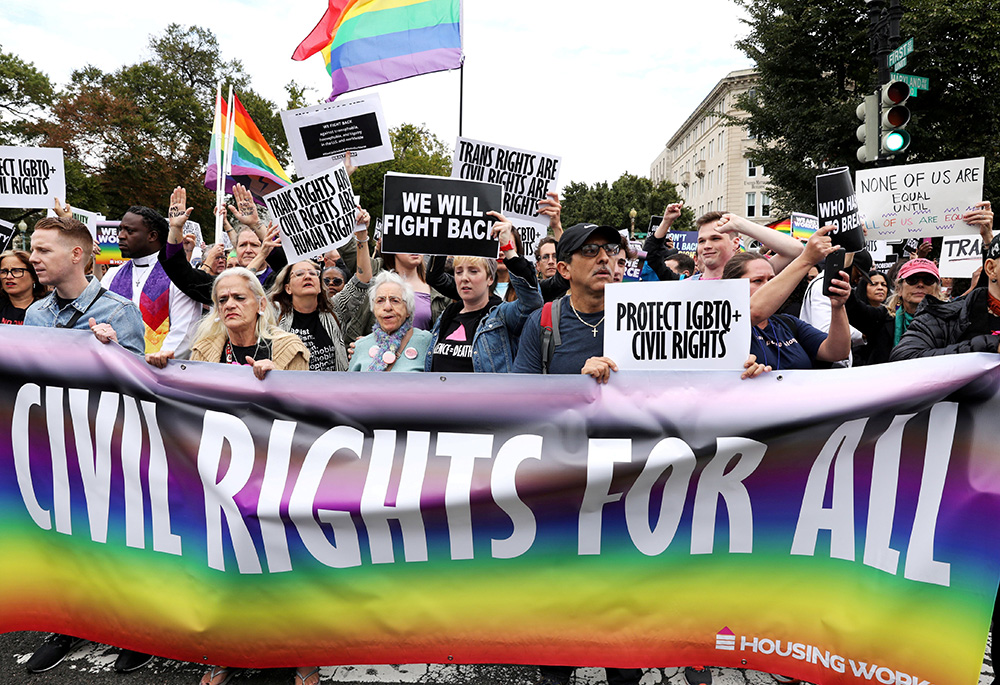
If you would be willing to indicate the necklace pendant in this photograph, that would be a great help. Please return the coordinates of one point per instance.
(595, 332)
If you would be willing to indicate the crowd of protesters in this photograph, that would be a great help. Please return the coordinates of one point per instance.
(358, 309)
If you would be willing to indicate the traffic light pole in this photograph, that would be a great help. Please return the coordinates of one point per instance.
(883, 37)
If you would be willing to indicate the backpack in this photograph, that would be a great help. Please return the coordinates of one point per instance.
(550, 331)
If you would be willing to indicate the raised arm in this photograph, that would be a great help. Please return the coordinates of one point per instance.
(550, 207)
(246, 212)
(770, 296)
(784, 246)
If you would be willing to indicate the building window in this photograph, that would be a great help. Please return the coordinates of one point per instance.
(751, 204)
(710, 206)
(751, 169)
(750, 134)
(711, 149)
(710, 180)
(765, 204)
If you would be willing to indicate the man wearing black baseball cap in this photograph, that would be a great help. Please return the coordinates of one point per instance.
(586, 257)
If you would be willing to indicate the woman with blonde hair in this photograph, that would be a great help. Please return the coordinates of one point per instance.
(242, 329)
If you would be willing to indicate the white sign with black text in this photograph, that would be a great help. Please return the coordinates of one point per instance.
(920, 200)
(319, 136)
(677, 325)
(31, 176)
(961, 255)
(525, 176)
(316, 214)
(88, 219)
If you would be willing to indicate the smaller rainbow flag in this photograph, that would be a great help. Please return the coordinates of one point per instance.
(368, 42)
(782, 226)
(248, 159)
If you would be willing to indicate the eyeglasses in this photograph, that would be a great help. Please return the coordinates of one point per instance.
(333, 281)
(392, 299)
(591, 249)
(304, 272)
(926, 279)
(547, 257)
(16, 272)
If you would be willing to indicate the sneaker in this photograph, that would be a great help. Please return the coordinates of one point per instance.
(697, 675)
(129, 661)
(785, 679)
(52, 652)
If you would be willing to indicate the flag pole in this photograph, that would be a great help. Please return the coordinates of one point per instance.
(220, 178)
(461, 95)
(230, 133)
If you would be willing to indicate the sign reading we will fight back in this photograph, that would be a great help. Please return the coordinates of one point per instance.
(439, 216)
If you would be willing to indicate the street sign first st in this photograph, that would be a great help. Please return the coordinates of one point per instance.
(901, 52)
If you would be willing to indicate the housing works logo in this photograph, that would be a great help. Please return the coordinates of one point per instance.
(726, 640)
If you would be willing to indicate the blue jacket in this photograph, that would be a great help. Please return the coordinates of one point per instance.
(494, 344)
(109, 308)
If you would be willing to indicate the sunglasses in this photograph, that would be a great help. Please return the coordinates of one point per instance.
(591, 249)
(926, 279)
(333, 281)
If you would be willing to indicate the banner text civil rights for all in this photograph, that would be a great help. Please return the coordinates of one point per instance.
(784, 523)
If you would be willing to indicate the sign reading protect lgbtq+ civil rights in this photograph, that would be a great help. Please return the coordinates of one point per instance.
(683, 326)
(439, 216)
(319, 136)
(31, 176)
(920, 200)
(525, 176)
(316, 214)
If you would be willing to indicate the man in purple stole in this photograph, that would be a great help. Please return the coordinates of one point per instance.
(169, 316)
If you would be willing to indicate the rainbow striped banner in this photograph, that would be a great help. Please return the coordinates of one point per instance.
(253, 163)
(838, 527)
(368, 42)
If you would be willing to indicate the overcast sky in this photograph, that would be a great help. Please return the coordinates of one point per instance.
(603, 88)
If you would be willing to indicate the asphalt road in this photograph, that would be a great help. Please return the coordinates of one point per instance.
(92, 664)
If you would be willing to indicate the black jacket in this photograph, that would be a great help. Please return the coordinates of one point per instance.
(961, 325)
(875, 323)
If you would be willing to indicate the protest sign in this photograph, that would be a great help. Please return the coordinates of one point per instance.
(961, 255)
(319, 136)
(7, 231)
(316, 214)
(920, 200)
(581, 519)
(194, 228)
(677, 325)
(883, 256)
(633, 268)
(525, 176)
(107, 241)
(88, 219)
(837, 204)
(432, 215)
(530, 232)
(31, 176)
(803, 225)
(685, 241)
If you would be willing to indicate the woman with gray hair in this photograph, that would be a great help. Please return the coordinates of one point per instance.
(394, 344)
(242, 329)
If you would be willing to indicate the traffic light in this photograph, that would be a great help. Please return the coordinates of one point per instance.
(868, 130)
(895, 117)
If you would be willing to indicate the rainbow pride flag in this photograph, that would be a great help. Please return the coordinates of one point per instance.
(250, 159)
(783, 226)
(368, 42)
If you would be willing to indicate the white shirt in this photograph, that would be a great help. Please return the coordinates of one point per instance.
(184, 312)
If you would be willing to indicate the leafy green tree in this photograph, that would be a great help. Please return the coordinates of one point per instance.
(25, 92)
(131, 136)
(815, 68)
(610, 205)
(417, 151)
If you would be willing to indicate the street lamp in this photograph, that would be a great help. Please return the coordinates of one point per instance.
(631, 215)
(23, 228)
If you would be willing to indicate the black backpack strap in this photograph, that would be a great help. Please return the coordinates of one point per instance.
(77, 315)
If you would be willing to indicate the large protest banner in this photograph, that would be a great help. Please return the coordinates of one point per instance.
(31, 176)
(439, 216)
(920, 200)
(315, 214)
(319, 136)
(790, 524)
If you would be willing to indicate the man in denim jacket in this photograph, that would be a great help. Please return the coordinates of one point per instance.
(60, 251)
